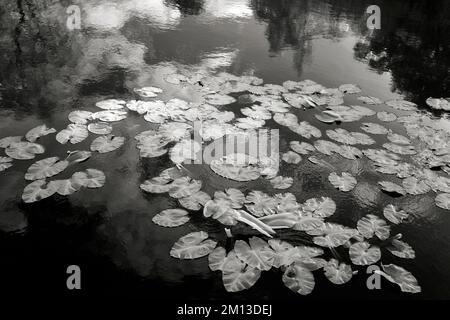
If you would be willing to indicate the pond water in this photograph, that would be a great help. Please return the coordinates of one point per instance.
(47, 71)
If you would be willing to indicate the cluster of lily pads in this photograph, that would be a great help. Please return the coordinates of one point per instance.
(421, 160)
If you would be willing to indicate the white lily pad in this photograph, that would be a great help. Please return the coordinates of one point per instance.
(74, 133)
(102, 128)
(234, 196)
(401, 249)
(391, 187)
(338, 273)
(386, 116)
(5, 163)
(371, 225)
(415, 186)
(184, 187)
(323, 207)
(303, 148)
(195, 201)
(374, 128)
(90, 178)
(148, 92)
(439, 104)
(107, 143)
(402, 105)
(110, 115)
(237, 276)
(394, 215)
(292, 157)
(346, 182)
(238, 167)
(299, 279)
(403, 278)
(39, 131)
(219, 99)
(363, 254)
(46, 168)
(65, 187)
(282, 183)
(370, 100)
(220, 210)
(7, 141)
(349, 88)
(443, 201)
(171, 218)
(111, 104)
(80, 116)
(332, 235)
(38, 190)
(192, 246)
(24, 150)
(257, 255)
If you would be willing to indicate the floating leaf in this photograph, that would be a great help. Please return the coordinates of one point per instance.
(195, 201)
(80, 116)
(323, 207)
(257, 255)
(38, 190)
(5, 163)
(303, 148)
(39, 131)
(292, 157)
(349, 88)
(237, 276)
(439, 104)
(192, 246)
(350, 138)
(78, 156)
(219, 99)
(110, 115)
(306, 130)
(65, 187)
(394, 215)
(175, 78)
(257, 113)
(107, 143)
(371, 225)
(217, 259)
(260, 204)
(148, 92)
(111, 104)
(391, 187)
(404, 150)
(362, 254)
(332, 235)
(102, 128)
(443, 201)
(24, 150)
(238, 167)
(386, 116)
(402, 105)
(171, 218)
(403, 278)
(234, 196)
(156, 185)
(184, 187)
(7, 141)
(338, 273)
(398, 139)
(282, 183)
(415, 186)
(299, 279)
(220, 210)
(401, 249)
(286, 119)
(46, 168)
(184, 151)
(90, 178)
(75, 133)
(374, 128)
(370, 100)
(346, 182)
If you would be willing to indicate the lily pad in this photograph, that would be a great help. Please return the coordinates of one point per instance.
(39, 131)
(107, 143)
(303, 148)
(260, 204)
(386, 116)
(349, 88)
(391, 187)
(192, 246)
(238, 167)
(292, 157)
(46, 168)
(371, 225)
(370, 100)
(332, 235)
(102, 128)
(299, 279)
(171, 218)
(257, 255)
(401, 249)
(234, 196)
(195, 201)
(282, 183)
(184, 187)
(363, 254)
(439, 104)
(415, 186)
(110, 115)
(346, 182)
(90, 178)
(402, 105)
(237, 276)
(374, 128)
(443, 201)
(74, 133)
(24, 150)
(5, 163)
(323, 207)
(64, 187)
(7, 141)
(111, 104)
(338, 273)
(403, 278)
(38, 190)
(80, 116)
(219, 99)
(220, 210)
(394, 215)
(148, 92)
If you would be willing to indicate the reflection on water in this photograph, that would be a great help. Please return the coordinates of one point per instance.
(47, 70)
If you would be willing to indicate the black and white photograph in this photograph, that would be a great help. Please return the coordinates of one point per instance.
(225, 156)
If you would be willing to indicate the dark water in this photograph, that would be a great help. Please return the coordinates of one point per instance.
(47, 70)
